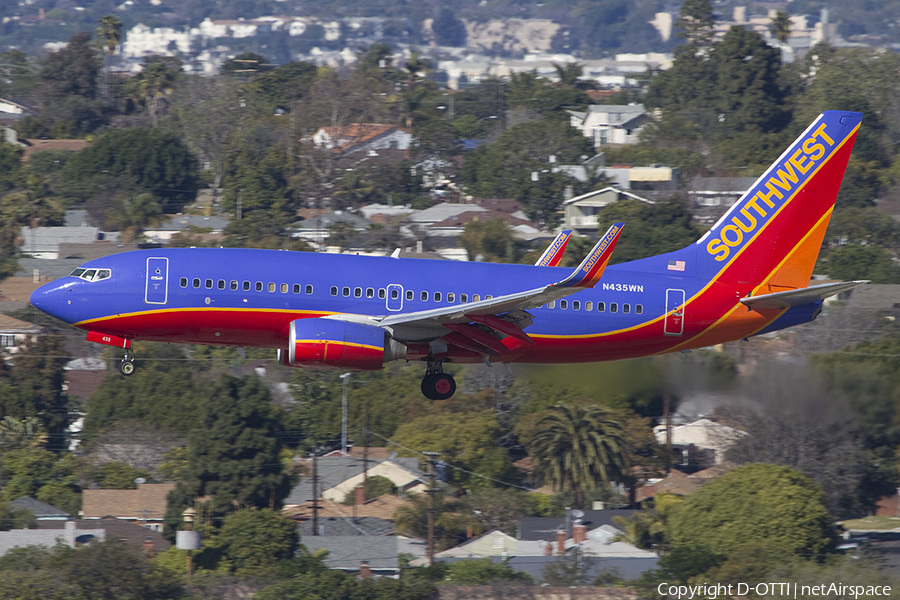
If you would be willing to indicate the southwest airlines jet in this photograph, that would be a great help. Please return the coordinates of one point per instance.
(746, 276)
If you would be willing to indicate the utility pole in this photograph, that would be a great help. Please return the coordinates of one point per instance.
(366, 441)
(345, 377)
(315, 493)
(431, 491)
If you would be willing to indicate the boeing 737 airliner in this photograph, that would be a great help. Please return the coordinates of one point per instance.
(746, 276)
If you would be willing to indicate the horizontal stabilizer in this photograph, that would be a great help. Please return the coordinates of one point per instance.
(801, 296)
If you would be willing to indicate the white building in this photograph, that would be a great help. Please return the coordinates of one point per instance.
(610, 123)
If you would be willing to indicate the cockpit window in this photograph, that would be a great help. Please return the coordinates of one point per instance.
(91, 274)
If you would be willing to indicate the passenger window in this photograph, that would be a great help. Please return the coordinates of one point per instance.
(601, 306)
(246, 286)
(409, 295)
(563, 304)
(626, 308)
(437, 296)
(271, 286)
(209, 284)
(451, 298)
(613, 307)
(345, 292)
(381, 293)
(463, 298)
(551, 304)
(488, 297)
(221, 284)
(370, 292)
(296, 288)
(588, 305)
(234, 284)
(184, 282)
(424, 296)
(638, 308)
(196, 282)
(576, 305)
(395, 294)
(284, 288)
(334, 290)
(309, 289)
(357, 292)
(475, 297)
(259, 286)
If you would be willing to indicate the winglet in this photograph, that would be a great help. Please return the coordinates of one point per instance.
(591, 269)
(554, 252)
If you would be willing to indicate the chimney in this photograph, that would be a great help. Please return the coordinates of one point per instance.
(579, 533)
(149, 546)
(360, 495)
(548, 549)
(365, 572)
(560, 542)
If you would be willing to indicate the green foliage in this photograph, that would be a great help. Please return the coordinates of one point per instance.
(578, 448)
(754, 503)
(483, 571)
(854, 261)
(453, 524)
(375, 486)
(448, 30)
(15, 518)
(467, 440)
(650, 229)
(119, 476)
(501, 508)
(255, 540)
(491, 241)
(148, 160)
(10, 166)
(234, 451)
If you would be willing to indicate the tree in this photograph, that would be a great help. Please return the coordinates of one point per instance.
(491, 241)
(119, 476)
(109, 34)
(156, 87)
(482, 571)
(650, 229)
(696, 21)
(234, 451)
(375, 486)
(855, 261)
(452, 524)
(755, 504)
(577, 447)
(256, 540)
(781, 26)
(448, 30)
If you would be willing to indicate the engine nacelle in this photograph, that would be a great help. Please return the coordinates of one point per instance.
(332, 344)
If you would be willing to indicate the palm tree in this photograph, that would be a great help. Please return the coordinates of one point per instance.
(110, 35)
(577, 447)
(155, 87)
(781, 26)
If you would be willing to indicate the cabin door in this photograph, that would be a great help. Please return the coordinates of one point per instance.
(674, 324)
(157, 290)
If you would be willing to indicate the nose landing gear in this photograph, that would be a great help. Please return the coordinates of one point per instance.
(126, 367)
(437, 385)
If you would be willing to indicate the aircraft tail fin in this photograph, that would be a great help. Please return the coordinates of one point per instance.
(771, 237)
(554, 252)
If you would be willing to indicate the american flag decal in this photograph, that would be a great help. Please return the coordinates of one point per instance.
(676, 265)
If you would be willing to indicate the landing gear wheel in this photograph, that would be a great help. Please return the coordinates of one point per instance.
(126, 367)
(428, 386)
(442, 386)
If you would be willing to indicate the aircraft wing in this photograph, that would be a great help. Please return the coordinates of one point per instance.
(799, 297)
(554, 252)
(585, 276)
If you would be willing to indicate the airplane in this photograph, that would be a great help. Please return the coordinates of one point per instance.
(748, 275)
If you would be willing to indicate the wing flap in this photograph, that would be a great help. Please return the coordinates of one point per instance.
(800, 296)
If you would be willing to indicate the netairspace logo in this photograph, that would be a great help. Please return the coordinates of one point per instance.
(786, 590)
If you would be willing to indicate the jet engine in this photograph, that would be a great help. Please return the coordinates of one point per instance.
(332, 344)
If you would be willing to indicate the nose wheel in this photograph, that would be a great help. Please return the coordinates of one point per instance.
(126, 367)
(437, 385)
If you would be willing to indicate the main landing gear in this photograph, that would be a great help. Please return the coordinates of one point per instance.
(126, 367)
(437, 385)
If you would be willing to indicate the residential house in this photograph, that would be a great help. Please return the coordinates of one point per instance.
(711, 197)
(41, 510)
(675, 482)
(45, 242)
(12, 110)
(581, 213)
(336, 477)
(43, 145)
(135, 536)
(14, 333)
(366, 555)
(610, 123)
(546, 528)
(145, 505)
(363, 137)
(186, 224)
(318, 228)
(366, 517)
(599, 553)
(709, 439)
(70, 535)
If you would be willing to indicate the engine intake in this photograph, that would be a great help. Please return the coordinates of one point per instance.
(332, 344)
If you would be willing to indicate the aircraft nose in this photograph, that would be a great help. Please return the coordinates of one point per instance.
(55, 299)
